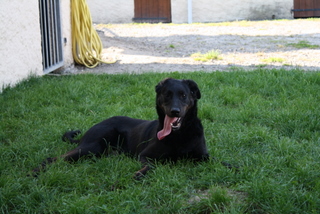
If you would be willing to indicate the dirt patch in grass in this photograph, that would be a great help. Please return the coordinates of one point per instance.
(168, 47)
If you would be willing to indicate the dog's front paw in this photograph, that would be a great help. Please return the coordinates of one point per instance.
(141, 173)
(138, 176)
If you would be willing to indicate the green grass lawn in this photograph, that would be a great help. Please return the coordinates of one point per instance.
(266, 121)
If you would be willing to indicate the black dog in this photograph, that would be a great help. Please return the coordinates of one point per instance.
(178, 132)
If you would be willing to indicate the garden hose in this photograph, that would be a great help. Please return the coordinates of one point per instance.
(86, 43)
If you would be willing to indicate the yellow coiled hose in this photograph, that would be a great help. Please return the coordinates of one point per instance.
(86, 43)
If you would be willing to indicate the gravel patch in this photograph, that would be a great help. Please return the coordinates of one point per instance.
(248, 45)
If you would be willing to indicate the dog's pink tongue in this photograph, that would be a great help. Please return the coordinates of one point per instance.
(166, 127)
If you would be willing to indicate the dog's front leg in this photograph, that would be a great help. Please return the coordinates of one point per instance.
(153, 152)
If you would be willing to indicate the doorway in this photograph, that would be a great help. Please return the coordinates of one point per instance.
(152, 11)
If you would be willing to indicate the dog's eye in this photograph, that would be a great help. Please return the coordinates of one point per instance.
(183, 95)
(168, 95)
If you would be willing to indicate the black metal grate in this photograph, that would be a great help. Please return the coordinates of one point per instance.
(51, 39)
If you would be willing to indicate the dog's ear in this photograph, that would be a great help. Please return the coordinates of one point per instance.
(194, 88)
(160, 84)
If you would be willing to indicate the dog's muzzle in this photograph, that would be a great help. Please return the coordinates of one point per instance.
(169, 124)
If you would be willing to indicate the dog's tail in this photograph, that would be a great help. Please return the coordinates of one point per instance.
(69, 136)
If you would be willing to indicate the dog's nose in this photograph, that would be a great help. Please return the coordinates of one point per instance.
(175, 111)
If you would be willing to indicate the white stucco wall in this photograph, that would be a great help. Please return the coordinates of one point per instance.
(179, 11)
(122, 11)
(20, 46)
(65, 9)
(111, 11)
(20, 40)
(218, 11)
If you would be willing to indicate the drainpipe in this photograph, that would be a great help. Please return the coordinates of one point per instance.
(189, 11)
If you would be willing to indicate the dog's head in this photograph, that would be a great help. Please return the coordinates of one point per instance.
(174, 99)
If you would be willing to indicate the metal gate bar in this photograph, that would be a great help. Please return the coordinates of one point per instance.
(51, 39)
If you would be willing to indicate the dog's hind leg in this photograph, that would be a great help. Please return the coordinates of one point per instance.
(81, 151)
(71, 156)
